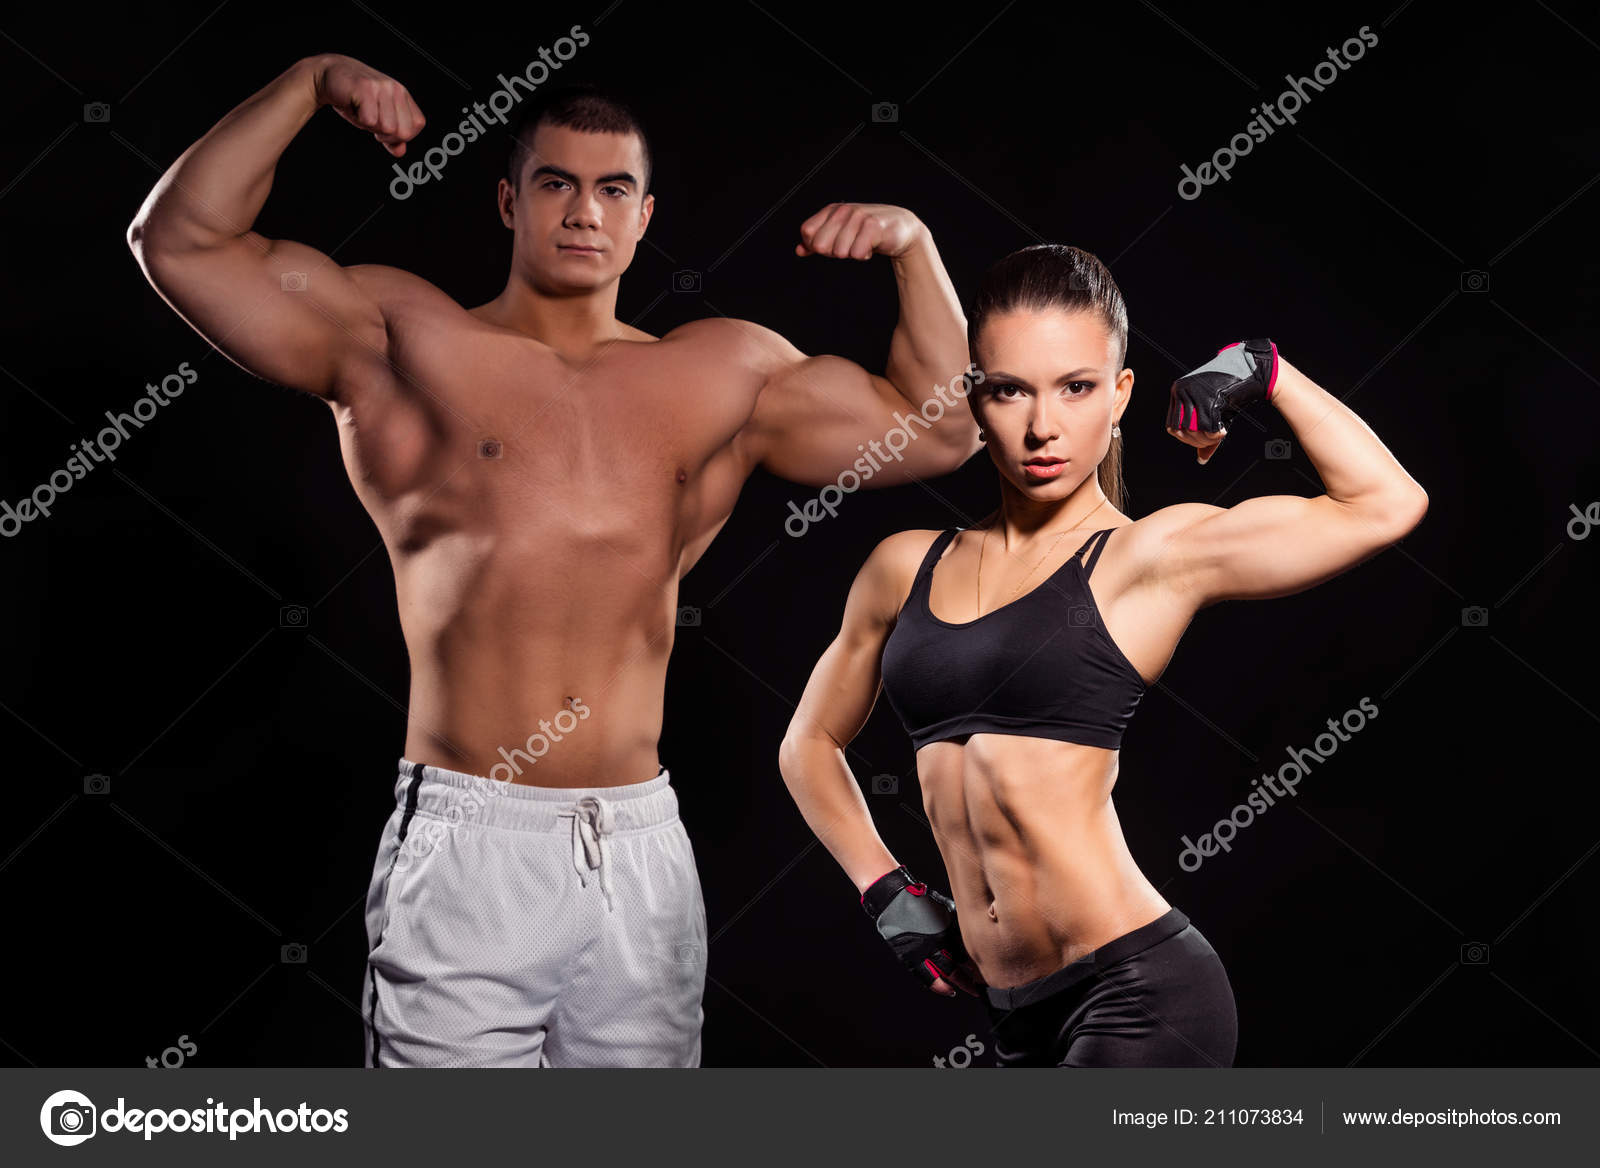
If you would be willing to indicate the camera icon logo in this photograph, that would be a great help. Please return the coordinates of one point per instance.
(490, 448)
(883, 111)
(688, 617)
(1080, 616)
(292, 281)
(1475, 617)
(686, 280)
(97, 111)
(96, 784)
(68, 1118)
(885, 784)
(1277, 448)
(1475, 953)
(293, 616)
(688, 953)
(1474, 280)
(292, 954)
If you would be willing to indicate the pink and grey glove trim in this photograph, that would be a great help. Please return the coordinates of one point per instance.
(1206, 399)
(918, 923)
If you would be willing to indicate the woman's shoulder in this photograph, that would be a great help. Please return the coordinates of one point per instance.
(892, 566)
(1137, 547)
(903, 551)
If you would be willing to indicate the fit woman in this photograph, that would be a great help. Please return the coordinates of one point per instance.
(1015, 653)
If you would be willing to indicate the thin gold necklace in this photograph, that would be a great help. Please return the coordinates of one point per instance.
(985, 541)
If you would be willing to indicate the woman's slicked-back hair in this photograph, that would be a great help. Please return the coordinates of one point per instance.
(1055, 276)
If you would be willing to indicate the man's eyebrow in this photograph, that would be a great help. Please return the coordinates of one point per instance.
(568, 176)
(565, 175)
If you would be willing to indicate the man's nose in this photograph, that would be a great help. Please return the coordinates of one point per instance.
(584, 212)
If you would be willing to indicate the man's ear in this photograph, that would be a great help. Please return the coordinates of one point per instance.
(646, 209)
(505, 198)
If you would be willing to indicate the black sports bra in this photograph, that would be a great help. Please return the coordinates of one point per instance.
(1042, 666)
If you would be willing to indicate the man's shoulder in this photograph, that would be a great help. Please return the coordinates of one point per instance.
(747, 344)
(396, 288)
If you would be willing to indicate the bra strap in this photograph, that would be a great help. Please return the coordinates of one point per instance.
(1102, 536)
(935, 550)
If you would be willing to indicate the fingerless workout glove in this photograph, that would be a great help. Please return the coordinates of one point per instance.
(1207, 398)
(917, 922)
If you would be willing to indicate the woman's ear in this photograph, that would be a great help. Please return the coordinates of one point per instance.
(1124, 392)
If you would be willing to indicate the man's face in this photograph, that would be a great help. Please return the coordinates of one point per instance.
(577, 213)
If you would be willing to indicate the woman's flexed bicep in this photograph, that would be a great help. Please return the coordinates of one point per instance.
(1266, 547)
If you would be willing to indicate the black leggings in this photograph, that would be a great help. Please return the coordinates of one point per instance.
(1155, 997)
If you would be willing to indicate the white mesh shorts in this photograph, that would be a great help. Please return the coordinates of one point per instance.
(518, 926)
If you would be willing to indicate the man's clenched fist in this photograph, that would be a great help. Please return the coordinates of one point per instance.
(859, 231)
(370, 101)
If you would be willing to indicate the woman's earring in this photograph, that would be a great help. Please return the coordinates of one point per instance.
(982, 437)
(1116, 431)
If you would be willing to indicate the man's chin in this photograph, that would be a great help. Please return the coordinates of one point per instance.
(570, 283)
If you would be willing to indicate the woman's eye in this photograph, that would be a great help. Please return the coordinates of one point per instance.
(1082, 387)
(1002, 390)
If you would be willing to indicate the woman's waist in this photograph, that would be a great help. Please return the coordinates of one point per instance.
(1014, 940)
(1027, 910)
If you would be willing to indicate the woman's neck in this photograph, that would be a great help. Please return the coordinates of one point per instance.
(1024, 521)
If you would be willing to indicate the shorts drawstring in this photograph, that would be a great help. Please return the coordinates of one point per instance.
(591, 821)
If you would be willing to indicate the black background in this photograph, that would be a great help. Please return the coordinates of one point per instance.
(251, 765)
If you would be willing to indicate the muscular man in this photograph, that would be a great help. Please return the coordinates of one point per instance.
(542, 476)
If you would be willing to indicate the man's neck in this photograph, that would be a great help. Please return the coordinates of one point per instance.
(571, 325)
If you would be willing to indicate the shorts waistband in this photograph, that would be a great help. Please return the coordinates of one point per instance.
(456, 796)
(1168, 924)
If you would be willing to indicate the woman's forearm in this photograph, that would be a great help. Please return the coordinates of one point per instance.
(820, 781)
(1353, 463)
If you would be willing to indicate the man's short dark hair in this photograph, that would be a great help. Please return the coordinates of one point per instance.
(579, 106)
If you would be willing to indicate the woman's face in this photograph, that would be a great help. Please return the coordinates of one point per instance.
(1051, 393)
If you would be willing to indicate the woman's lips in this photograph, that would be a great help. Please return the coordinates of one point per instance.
(1043, 470)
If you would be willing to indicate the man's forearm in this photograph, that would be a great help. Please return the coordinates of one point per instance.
(217, 187)
(929, 347)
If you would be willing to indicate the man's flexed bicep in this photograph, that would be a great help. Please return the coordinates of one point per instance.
(822, 417)
(282, 310)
